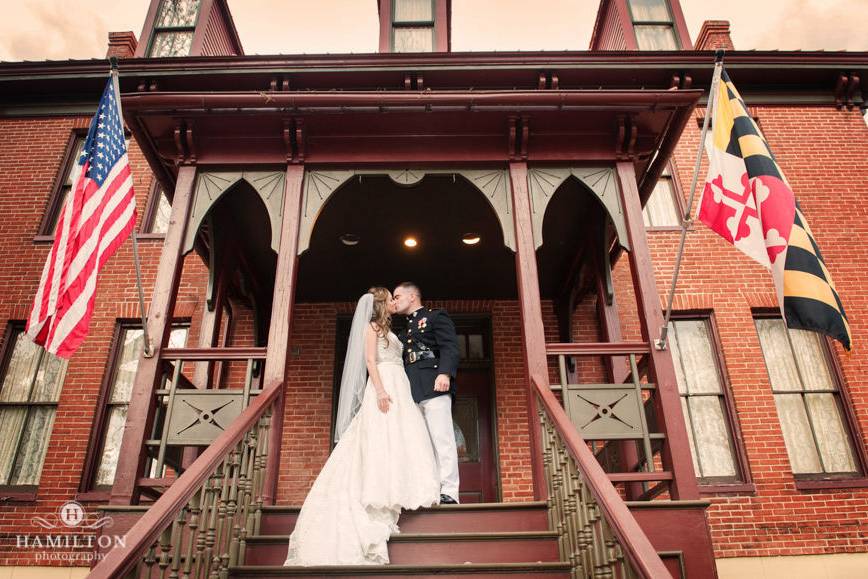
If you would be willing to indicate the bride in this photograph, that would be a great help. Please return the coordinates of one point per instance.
(383, 461)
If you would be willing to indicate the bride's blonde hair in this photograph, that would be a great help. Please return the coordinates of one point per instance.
(380, 316)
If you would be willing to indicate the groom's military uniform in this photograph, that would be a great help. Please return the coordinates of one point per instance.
(430, 349)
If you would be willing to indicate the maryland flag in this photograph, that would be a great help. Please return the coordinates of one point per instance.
(748, 201)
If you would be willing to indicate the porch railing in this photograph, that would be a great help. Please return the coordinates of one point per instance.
(597, 534)
(199, 526)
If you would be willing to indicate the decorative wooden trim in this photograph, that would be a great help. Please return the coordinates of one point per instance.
(141, 408)
(545, 182)
(676, 449)
(278, 350)
(212, 185)
(533, 331)
(319, 186)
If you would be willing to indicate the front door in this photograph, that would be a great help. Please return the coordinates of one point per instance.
(473, 410)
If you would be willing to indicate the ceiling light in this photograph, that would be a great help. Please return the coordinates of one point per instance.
(349, 239)
(470, 239)
(411, 242)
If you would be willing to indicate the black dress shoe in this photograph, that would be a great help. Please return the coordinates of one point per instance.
(447, 500)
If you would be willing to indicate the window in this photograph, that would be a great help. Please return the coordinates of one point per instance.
(704, 401)
(662, 208)
(813, 421)
(69, 172)
(121, 377)
(413, 25)
(156, 219)
(32, 379)
(174, 27)
(653, 25)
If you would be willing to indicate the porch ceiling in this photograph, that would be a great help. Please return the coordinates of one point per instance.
(437, 212)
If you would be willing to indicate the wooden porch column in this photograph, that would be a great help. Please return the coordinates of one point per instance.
(533, 332)
(676, 449)
(131, 461)
(281, 319)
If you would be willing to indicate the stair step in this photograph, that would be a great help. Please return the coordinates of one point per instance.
(466, 518)
(546, 570)
(434, 548)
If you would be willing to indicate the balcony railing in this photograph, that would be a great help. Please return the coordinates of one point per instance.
(598, 535)
(199, 526)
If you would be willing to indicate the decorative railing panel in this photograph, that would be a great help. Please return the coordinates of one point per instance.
(200, 525)
(598, 535)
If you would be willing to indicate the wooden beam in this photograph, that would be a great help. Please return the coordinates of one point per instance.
(281, 319)
(533, 331)
(676, 449)
(131, 460)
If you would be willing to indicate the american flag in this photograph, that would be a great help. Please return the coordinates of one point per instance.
(98, 215)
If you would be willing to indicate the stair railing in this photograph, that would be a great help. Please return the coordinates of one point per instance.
(598, 535)
(200, 525)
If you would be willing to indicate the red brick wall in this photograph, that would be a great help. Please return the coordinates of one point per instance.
(822, 151)
(30, 155)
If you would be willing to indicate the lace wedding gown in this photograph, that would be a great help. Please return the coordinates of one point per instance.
(383, 463)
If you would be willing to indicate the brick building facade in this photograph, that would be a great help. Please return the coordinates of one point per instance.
(765, 518)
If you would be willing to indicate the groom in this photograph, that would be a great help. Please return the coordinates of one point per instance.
(431, 361)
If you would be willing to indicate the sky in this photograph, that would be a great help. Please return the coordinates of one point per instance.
(46, 29)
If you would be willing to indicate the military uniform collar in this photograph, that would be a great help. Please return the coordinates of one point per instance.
(414, 314)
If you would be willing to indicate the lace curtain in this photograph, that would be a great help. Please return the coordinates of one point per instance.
(702, 401)
(32, 382)
(807, 400)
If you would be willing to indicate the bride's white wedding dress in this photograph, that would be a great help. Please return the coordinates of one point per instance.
(383, 463)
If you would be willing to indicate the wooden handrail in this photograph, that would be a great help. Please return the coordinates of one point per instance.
(214, 354)
(638, 549)
(598, 349)
(142, 535)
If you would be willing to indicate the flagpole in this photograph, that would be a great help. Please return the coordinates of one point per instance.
(149, 351)
(660, 343)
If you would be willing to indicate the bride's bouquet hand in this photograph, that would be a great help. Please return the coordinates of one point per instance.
(383, 401)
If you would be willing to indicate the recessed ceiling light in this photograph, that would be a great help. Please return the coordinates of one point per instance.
(470, 239)
(411, 242)
(349, 239)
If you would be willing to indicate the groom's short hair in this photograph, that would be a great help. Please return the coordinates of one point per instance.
(410, 286)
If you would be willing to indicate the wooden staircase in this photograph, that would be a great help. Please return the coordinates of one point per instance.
(481, 540)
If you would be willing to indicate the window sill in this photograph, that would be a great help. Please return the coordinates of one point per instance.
(723, 488)
(18, 496)
(159, 236)
(43, 239)
(841, 483)
(664, 228)
(93, 496)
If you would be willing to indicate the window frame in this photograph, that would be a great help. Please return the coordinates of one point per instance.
(53, 207)
(20, 493)
(677, 194)
(147, 224)
(88, 490)
(815, 481)
(640, 23)
(155, 29)
(743, 482)
(432, 24)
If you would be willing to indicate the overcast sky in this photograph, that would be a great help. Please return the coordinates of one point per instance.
(59, 29)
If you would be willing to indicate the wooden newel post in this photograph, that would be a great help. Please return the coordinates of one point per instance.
(281, 319)
(533, 334)
(131, 460)
(676, 449)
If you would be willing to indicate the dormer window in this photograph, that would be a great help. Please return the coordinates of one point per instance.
(173, 28)
(412, 25)
(653, 24)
